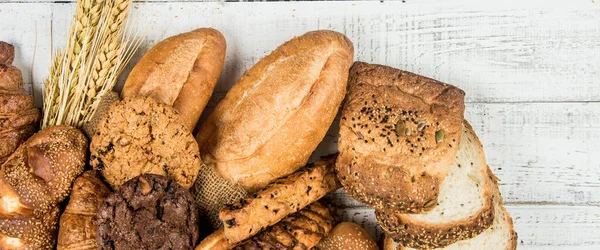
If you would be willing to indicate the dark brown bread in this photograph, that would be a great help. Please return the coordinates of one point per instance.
(279, 199)
(398, 136)
(77, 229)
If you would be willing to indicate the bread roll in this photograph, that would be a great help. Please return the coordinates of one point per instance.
(38, 176)
(29, 232)
(277, 113)
(77, 229)
(347, 236)
(399, 133)
(180, 71)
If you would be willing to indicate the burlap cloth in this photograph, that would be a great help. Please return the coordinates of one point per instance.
(90, 127)
(212, 192)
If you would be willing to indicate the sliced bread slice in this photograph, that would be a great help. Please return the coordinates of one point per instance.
(499, 236)
(464, 208)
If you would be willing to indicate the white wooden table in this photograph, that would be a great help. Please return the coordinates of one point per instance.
(531, 72)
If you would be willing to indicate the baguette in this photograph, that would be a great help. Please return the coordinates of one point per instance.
(274, 117)
(399, 134)
(180, 71)
(279, 199)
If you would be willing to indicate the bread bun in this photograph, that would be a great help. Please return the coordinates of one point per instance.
(347, 236)
(274, 117)
(399, 133)
(180, 71)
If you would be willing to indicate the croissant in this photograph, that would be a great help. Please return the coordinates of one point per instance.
(18, 115)
(78, 222)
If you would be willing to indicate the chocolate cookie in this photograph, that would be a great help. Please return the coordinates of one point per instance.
(139, 136)
(148, 212)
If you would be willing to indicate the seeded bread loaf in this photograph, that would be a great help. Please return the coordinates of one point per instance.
(399, 134)
(465, 207)
(279, 199)
(274, 117)
(301, 230)
(180, 71)
(499, 236)
(39, 233)
(347, 236)
(39, 174)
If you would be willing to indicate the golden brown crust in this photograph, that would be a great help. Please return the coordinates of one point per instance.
(40, 173)
(29, 232)
(415, 233)
(398, 135)
(180, 71)
(18, 115)
(279, 199)
(277, 113)
(347, 236)
(78, 222)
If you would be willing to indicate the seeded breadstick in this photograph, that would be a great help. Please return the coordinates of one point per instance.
(279, 199)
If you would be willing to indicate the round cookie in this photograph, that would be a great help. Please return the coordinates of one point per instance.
(148, 212)
(139, 136)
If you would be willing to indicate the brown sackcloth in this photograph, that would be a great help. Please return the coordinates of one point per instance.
(90, 127)
(212, 192)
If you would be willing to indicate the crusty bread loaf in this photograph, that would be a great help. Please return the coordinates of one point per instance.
(347, 236)
(180, 71)
(273, 118)
(301, 230)
(399, 134)
(39, 174)
(77, 229)
(499, 236)
(279, 199)
(465, 207)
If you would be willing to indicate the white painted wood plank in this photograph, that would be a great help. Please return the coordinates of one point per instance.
(538, 227)
(495, 53)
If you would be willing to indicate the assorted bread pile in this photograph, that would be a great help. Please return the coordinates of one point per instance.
(404, 149)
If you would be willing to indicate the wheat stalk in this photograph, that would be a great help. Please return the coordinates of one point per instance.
(97, 51)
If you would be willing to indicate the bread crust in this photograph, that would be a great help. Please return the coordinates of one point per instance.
(411, 232)
(278, 200)
(347, 236)
(398, 135)
(41, 171)
(180, 71)
(277, 113)
(78, 222)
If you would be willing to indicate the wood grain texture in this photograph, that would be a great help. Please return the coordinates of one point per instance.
(530, 70)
